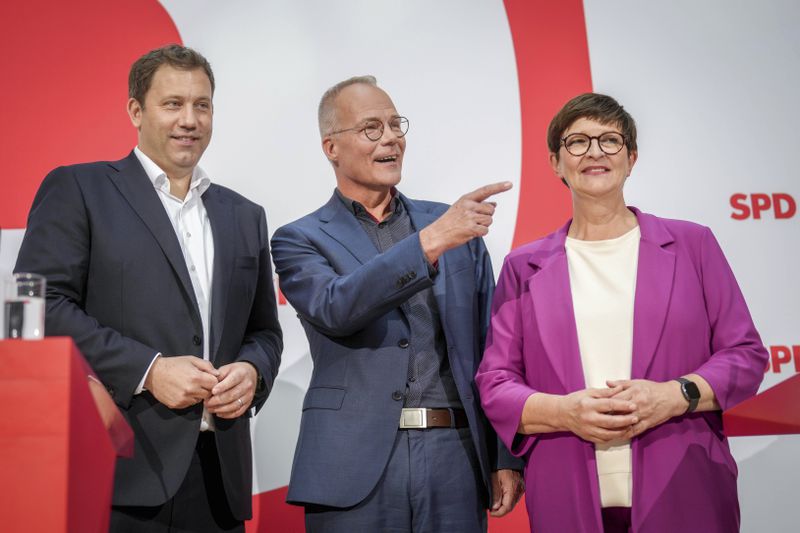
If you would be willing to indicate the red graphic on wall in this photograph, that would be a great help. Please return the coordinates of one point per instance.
(552, 56)
(66, 70)
(776, 411)
(780, 357)
(779, 205)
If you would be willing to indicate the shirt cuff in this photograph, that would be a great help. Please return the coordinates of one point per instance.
(433, 269)
(140, 388)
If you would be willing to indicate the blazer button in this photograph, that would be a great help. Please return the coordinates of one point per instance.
(403, 343)
(397, 396)
(196, 340)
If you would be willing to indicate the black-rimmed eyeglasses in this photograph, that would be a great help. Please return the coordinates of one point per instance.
(373, 129)
(578, 144)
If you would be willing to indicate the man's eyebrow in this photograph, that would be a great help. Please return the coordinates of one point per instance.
(377, 119)
(183, 97)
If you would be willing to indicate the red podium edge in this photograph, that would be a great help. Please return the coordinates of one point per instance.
(59, 439)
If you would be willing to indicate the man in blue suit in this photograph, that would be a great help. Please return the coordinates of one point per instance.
(394, 296)
(164, 281)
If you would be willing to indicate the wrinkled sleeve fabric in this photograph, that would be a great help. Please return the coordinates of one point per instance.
(500, 455)
(738, 358)
(263, 339)
(341, 304)
(501, 375)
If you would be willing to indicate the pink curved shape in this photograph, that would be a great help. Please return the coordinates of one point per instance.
(552, 56)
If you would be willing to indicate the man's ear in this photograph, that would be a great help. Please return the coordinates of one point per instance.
(330, 149)
(135, 112)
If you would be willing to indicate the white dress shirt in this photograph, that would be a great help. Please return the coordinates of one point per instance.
(190, 222)
(602, 276)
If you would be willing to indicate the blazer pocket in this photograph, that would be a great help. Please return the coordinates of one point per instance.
(247, 261)
(324, 398)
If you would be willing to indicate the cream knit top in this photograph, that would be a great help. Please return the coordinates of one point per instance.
(603, 282)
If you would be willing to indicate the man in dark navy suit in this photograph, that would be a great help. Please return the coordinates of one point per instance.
(163, 279)
(394, 296)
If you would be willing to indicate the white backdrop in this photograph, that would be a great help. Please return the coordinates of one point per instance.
(711, 84)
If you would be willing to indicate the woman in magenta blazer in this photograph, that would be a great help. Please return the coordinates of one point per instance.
(614, 344)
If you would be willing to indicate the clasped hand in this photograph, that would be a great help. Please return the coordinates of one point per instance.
(624, 410)
(182, 381)
(656, 402)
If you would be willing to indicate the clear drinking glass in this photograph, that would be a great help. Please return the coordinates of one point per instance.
(24, 306)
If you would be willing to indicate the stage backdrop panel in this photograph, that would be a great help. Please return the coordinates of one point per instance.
(712, 85)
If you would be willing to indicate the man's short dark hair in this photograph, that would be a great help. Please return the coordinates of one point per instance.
(598, 107)
(174, 55)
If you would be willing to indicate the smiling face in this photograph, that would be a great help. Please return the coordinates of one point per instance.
(594, 174)
(175, 119)
(364, 167)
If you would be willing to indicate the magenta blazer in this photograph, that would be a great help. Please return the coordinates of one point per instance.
(689, 317)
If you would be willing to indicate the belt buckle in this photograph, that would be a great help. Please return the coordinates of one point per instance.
(413, 418)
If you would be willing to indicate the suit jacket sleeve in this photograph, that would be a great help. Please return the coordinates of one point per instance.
(501, 375)
(57, 245)
(738, 358)
(337, 304)
(263, 341)
(500, 456)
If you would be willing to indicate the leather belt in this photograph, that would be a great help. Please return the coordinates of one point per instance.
(421, 418)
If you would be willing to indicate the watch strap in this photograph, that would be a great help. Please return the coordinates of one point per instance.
(690, 393)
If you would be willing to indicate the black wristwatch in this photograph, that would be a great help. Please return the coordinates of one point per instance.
(690, 392)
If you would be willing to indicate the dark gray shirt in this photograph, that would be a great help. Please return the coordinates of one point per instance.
(430, 379)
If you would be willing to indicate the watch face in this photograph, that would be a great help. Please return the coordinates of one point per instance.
(691, 390)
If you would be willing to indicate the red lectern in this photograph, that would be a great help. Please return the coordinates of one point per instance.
(60, 433)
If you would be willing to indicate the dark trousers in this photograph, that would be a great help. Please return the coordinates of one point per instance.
(199, 506)
(616, 519)
(432, 484)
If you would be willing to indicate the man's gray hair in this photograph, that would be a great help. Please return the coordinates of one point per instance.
(327, 105)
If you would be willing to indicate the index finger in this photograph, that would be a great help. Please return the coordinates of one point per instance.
(205, 366)
(613, 405)
(206, 381)
(228, 382)
(482, 193)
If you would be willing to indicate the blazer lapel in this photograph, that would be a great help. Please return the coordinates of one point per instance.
(133, 183)
(550, 292)
(222, 218)
(342, 226)
(654, 281)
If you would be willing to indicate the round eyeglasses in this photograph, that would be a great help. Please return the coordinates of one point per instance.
(373, 128)
(578, 144)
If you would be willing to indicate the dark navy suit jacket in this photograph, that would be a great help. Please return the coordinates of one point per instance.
(118, 284)
(348, 298)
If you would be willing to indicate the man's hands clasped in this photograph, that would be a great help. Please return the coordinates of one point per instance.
(234, 393)
(182, 381)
